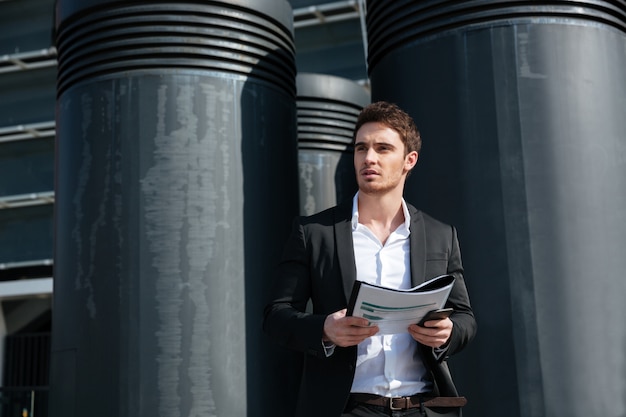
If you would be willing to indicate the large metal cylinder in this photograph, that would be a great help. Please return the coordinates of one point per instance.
(328, 107)
(176, 169)
(521, 108)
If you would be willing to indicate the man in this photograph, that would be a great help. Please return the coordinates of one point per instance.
(349, 370)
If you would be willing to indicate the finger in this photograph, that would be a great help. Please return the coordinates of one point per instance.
(364, 331)
(358, 331)
(350, 340)
(357, 321)
(429, 337)
(424, 330)
(355, 335)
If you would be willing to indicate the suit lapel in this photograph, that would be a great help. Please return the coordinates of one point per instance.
(418, 246)
(345, 248)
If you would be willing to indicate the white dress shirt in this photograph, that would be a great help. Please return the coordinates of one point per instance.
(387, 365)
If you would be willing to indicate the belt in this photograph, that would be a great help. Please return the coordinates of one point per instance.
(403, 403)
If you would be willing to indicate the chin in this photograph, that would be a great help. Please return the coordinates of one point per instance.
(368, 189)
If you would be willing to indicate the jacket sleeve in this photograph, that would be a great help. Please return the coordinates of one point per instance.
(286, 318)
(463, 317)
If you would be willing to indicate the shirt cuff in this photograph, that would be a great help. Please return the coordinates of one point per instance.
(329, 348)
(439, 352)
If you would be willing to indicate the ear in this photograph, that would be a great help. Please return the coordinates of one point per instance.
(410, 160)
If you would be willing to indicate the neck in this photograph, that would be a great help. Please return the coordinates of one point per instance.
(384, 210)
(381, 215)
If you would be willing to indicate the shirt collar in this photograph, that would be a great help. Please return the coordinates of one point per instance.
(355, 213)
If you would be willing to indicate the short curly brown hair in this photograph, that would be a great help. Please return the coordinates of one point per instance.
(393, 117)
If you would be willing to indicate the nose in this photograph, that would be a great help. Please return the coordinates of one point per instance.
(370, 157)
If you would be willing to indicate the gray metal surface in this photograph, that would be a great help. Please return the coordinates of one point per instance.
(176, 177)
(521, 108)
(328, 107)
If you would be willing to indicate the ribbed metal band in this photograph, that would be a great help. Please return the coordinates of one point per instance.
(391, 24)
(327, 109)
(208, 37)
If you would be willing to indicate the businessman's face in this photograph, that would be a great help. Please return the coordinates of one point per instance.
(380, 159)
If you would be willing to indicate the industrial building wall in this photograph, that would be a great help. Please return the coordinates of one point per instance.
(27, 97)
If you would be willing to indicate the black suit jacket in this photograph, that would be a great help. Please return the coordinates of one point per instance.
(318, 264)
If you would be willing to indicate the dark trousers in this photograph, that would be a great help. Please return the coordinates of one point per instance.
(366, 410)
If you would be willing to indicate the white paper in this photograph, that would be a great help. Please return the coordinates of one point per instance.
(394, 310)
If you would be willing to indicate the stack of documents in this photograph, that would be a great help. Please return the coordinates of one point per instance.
(394, 310)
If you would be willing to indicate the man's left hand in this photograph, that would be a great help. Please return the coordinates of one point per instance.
(434, 333)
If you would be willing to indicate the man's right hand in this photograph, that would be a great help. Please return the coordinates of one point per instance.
(345, 330)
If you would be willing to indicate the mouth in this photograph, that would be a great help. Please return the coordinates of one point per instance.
(368, 173)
